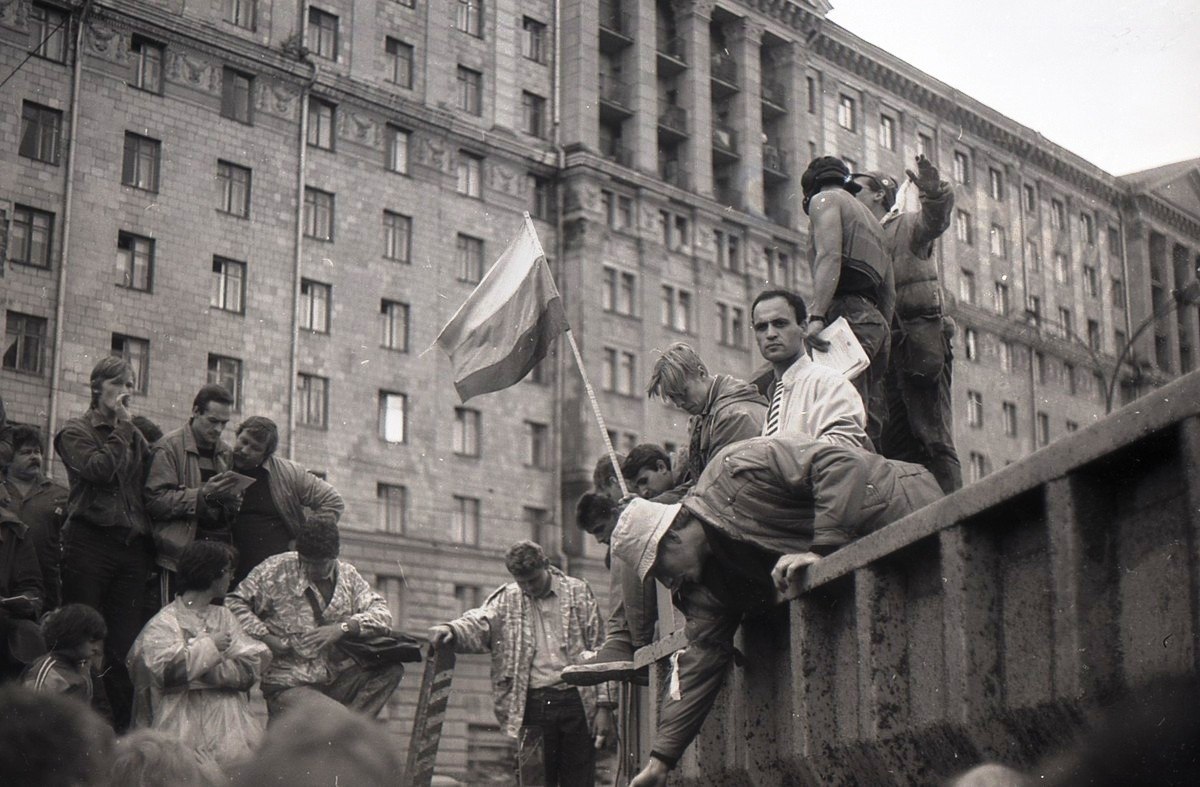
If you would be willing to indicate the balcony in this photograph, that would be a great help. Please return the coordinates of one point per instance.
(672, 123)
(673, 173)
(724, 145)
(672, 57)
(774, 98)
(724, 74)
(616, 28)
(774, 163)
(614, 99)
(619, 154)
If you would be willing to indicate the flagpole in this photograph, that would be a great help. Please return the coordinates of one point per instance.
(608, 446)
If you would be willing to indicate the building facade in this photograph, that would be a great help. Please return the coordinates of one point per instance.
(291, 198)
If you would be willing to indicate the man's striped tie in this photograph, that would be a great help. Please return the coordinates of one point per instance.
(773, 410)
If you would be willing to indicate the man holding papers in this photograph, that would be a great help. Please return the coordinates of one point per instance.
(806, 399)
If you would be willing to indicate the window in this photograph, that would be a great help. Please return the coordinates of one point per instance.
(393, 501)
(394, 321)
(467, 597)
(1066, 322)
(1091, 281)
(465, 520)
(40, 130)
(618, 371)
(925, 147)
(541, 197)
(887, 132)
(1093, 335)
(314, 306)
(321, 119)
(227, 373)
(779, 267)
(676, 309)
(229, 285)
(393, 416)
(962, 227)
(1031, 253)
(966, 286)
(1058, 215)
(322, 38)
(975, 409)
(971, 344)
(541, 529)
(1006, 355)
(470, 259)
(845, 112)
(976, 467)
(24, 343)
(396, 149)
(674, 230)
(533, 114)
(618, 209)
(1000, 303)
(617, 296)
(397, 236)
(139, 168)
(1114, 241)
(1118, 293)
(1088, 227)
(312, 399)
(1008, 412)
(731, 325)
(995, 183)
(135, 261)
(32, 236)
(1069, 376)
(399, 62)
(234, 189)
(136, 353)
(470, 91)
(998, 241)
(237, 95)
(962, 168)
(537, 445)
(1062, 268)
(728, 250)
(1035, 310)
(242, 13)
(1043, 429)
(1039, 363)
(147, 64)
(1119, 341)
(318, 214)
(811, 94)
(1030, 199)
(48, 32)
(469, 18)
(533, 40)
(470, 174)
(1072, 426)
(466, 431)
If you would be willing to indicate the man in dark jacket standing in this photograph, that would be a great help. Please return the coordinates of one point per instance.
(919, 426)
(762, 511)
(107, 551)
(39, 503)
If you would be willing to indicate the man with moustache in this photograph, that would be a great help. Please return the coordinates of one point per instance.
(40, 504)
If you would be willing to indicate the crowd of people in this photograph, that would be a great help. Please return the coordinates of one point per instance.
(173, 574)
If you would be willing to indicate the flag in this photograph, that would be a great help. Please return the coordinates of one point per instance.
(507, 323)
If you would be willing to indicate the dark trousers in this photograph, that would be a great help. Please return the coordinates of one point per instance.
(103, 571)
(570, 753)
(920, 423)
(875, 336)
(363, 690)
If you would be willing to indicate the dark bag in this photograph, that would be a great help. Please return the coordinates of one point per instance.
(921, 350)
(378, 651)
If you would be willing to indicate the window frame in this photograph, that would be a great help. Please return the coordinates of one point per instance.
(17, 336)
(221, 280)
(139, 152)
(466, 434)
(121, 346)
(396, 227)
(385, 399)
(234, 105)
(23, 233)
(315, 209)
(399, 53)
(312, 401)
(470, 271)
(316, 306)
(127, 264)
(226, 170)
(43, 134)
(470, 91)
(214, 374)
(318, 38)
(388, 312)
(322, 124)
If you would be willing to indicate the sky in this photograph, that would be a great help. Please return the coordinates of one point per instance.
(1117, 83)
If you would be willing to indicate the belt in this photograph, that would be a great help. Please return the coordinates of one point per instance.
(551, 693)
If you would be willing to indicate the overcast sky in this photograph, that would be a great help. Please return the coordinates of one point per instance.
(1117, 83)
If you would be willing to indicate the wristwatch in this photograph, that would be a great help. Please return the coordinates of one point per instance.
(346, 627)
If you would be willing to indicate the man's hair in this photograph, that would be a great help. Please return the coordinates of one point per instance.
(593, 507)
(318, 540)
(51, 740)
(148, 756)
(879, 183)
(525, 557)
(678, 364)
(211, 393)
(23, 435)
(148, 428)
(262, 429)
(798, 305)
(109, 368)
(73, 625)
(603, 474)
(201, 563)
(643, 456)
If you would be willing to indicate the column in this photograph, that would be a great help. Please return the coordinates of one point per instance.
(580, 69)
(643, 85)
(692, 19)
(746, 117)
(790, 70)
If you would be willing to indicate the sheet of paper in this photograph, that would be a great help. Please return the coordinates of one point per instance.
(243, 481)
(845, 353)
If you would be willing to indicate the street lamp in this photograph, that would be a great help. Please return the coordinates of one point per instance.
(1186, 296)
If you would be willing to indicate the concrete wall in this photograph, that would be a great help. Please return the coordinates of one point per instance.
(985, 627)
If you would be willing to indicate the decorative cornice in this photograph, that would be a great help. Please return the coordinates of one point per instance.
(792, 14)
(1158, 208)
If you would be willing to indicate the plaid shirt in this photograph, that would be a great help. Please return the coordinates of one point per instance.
(272, 600)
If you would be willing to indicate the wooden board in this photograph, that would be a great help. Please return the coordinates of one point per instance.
(431, 713)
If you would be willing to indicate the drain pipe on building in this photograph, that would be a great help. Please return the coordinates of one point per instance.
(60, 305)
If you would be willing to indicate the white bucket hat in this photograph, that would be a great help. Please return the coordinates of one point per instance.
(638, 531)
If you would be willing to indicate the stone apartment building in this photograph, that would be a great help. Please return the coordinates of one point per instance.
(293, 197)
